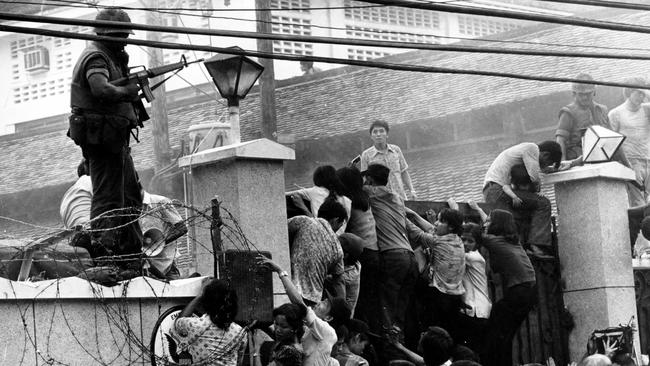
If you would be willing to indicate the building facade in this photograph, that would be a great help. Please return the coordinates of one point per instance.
(39, 70)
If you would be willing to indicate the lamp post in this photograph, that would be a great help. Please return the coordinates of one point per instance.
(234, 76)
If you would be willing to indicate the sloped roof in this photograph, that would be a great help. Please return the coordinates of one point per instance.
(344, 100)
(456, 174)
(439, 174)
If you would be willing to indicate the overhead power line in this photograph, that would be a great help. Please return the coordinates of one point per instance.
(603, 4)
(176, 8)
(318, 39)
(329, 60)
(82, 4)
(567, 20)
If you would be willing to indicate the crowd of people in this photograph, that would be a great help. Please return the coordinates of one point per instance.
(371, 281)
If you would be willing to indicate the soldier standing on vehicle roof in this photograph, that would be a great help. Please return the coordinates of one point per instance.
(103, 117)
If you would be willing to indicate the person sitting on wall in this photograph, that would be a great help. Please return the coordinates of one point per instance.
(162, 221)
(75, 206)
(497, 190)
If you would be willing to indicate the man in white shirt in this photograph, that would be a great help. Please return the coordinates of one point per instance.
(632, 119)
(75, 204)
(498, 191)
(161, 224)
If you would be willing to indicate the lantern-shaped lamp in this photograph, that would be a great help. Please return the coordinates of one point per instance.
(599, 144)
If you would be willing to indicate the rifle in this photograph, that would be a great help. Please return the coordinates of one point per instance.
(142, 78)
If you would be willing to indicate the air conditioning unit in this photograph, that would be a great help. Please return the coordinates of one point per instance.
(36, 59)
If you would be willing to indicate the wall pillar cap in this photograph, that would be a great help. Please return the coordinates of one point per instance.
(256, 149)
(610, 170)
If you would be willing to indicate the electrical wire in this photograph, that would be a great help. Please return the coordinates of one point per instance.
(329, 60)
(365, 29)
(604, 4)
(554, 19)
(317, 39)
(177, 8)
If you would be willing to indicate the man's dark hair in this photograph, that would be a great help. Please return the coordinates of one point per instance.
(554, 150)
(83, 168)
(623, 359)
(465, 363)
(460, 352)
(436, 346)
(645, 227)
(502, 223)
(378, 123)
(453, 219)
(353, 328)
(519, 175)
(325, 176)
(352, 182)
(331, 209)
(288, 355)
(379, 173)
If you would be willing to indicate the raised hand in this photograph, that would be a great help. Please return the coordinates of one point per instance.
(262, 261)
(610, 346)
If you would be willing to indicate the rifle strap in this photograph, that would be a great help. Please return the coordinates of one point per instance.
(135, 134)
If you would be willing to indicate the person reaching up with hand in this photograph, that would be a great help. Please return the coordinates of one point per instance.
(320, 320)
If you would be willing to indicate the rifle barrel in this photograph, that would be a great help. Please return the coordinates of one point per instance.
(156, 71)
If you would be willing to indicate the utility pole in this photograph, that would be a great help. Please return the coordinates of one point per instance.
(159, 121)
(267, 80)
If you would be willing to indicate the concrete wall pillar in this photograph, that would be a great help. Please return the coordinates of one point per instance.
(248, 177)
(594, 249)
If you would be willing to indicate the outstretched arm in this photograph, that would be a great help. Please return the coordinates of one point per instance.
(292, 292)
(410, 355)
(418, 220)
(191, 307)
(474, 206)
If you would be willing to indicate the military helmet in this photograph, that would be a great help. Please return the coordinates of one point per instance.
(583, 88)
(115, 15)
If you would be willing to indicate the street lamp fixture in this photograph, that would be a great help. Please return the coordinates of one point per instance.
(234, 76)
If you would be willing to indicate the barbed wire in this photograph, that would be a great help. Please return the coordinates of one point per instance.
(111, 314)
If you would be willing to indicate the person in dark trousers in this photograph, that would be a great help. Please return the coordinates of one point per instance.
(507, 258)
(399, 269)
(103, 116)
(497, 189)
